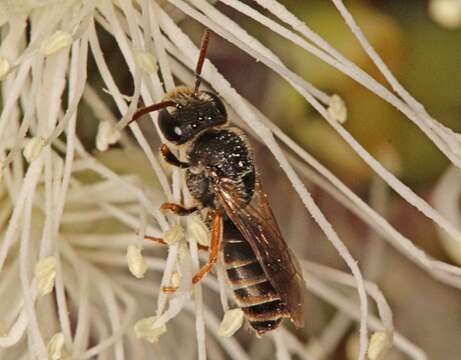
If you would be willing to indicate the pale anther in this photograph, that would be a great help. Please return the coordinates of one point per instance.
(107, 135)
(45, 273)
(136, 262)
(198, 230)
(232, 321)
(4, 67)
(175, 279)
(173, 235)
(33, 148)
(446, 12)
(147, 329)
(337, 108)
(379, 345)
(56, 348)
(146, 61)
(56, 42)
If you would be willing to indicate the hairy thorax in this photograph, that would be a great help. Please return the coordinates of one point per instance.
(216, 155)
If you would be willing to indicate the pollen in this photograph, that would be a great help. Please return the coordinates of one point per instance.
(33, 148)
(232, 321)
(149, 330)
(175, 279)
(107, 135)
(45, 273)
(173, 235)
(4, 67)
(3, 329)
(146, 61)
(337, 108)
(183, 252)
(198, 230)
(56, 42)
(56, 349)
(380, 343)
(136, 262)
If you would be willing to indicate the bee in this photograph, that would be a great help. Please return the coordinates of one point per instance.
(221, 176)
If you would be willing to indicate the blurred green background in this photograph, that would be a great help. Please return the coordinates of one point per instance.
(424, 56)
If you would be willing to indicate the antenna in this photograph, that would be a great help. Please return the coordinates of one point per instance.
(201, 59)
(198, 69)
(145, 110)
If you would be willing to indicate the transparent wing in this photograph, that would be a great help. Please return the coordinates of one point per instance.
(258, 226)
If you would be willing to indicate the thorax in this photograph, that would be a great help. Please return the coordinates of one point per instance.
(217, 154)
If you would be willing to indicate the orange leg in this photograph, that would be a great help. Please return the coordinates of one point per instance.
(171, 159)
(216, 235)
(178, 209)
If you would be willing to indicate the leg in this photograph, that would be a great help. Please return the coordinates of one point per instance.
(216, 235)
(178, 209)
(171, 159)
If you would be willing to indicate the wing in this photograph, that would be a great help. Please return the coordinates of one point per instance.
(258, 226)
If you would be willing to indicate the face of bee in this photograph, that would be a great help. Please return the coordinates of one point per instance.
(192, 114)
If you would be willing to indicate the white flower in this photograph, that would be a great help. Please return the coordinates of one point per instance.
(59, 196)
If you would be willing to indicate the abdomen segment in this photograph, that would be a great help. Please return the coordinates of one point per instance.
(253, 291)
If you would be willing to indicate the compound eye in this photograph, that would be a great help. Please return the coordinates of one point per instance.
(169, 126)
(218, 104)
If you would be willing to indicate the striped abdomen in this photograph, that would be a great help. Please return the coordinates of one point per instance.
(254, 293)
